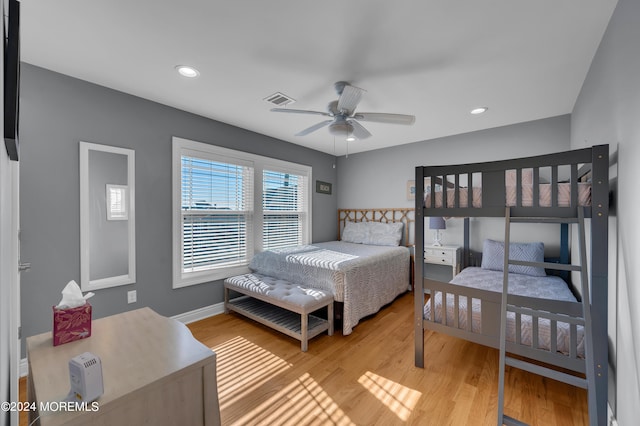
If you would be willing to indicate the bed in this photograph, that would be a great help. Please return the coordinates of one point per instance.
(547, 287)
(365, 269)
(553, 188)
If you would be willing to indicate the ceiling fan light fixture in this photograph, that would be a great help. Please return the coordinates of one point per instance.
(351, 138)
(341, 128)
(479, 110)
(187, 71)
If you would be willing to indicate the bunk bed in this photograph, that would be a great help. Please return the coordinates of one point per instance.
(566, 327)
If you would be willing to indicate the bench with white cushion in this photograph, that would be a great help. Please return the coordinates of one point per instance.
(281, 305)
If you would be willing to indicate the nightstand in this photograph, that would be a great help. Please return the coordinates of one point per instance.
(444, 255)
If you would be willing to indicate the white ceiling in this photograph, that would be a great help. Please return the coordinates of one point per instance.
(435, 59)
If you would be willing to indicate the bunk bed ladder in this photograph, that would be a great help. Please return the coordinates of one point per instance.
(589, 382)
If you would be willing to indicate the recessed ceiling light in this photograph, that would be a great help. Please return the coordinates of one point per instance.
(187, 71)
(479, 110)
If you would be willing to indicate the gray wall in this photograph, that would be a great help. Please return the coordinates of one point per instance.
(57, 112)
(379, 178)
(608, 111)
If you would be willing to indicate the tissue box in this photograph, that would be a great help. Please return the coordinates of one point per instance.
(71, 324)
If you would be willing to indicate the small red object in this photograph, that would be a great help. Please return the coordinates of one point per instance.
(71, 324)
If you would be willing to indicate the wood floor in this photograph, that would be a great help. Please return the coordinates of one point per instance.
(369, 377)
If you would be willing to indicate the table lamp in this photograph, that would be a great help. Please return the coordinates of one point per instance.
(437, 223)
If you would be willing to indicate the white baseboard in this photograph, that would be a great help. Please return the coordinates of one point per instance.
(185, 318)
(23, 367)
(200, 314)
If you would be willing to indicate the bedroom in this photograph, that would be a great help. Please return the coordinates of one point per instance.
(55, 101)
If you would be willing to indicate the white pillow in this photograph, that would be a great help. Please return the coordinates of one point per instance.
(355, 232)
(384, 234)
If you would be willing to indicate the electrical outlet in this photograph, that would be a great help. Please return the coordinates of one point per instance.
(132, 296)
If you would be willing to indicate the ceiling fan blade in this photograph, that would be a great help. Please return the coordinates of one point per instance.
(378, 117)
(301, 111)
(349, 99)
(314, 128)
(358, 130)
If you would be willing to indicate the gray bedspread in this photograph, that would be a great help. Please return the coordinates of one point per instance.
(548, 287)
(363, 277)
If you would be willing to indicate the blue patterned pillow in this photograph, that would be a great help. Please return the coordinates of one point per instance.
(493, 257)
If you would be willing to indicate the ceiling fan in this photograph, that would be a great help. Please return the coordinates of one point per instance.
(344, 118)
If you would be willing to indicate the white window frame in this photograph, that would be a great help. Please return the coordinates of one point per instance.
(259, 163)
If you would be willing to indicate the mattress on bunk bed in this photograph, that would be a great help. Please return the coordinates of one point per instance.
(548, 287)
(564, 195)
(364, 277)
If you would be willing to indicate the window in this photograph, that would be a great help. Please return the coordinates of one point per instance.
(117, 202)
(216, 213)
(229, 204)
(284, 209)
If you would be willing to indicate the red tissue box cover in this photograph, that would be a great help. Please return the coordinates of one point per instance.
(71, 324)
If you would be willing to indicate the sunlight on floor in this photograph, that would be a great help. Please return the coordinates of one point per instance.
(243, 367)
(400, 399)
(302, 402)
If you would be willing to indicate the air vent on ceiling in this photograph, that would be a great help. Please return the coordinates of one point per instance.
(279, 99)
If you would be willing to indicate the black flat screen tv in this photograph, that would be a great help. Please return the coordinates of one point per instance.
(12, 80)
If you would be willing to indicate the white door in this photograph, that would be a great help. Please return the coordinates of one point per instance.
(9, 275)
(9, 285)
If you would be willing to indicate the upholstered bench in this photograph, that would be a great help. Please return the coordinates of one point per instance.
(281, 305)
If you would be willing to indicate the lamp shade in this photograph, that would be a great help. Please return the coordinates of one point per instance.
(437, 223)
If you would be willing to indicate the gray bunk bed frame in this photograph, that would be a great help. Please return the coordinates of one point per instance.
(593, 162)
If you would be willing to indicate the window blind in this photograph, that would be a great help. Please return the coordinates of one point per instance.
(117, 202)
(217, 212)
(284, 209)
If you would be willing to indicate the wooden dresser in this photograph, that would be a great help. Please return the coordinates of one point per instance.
(155, 372)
